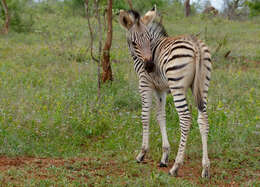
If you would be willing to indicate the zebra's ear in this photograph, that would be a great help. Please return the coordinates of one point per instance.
(149, 16)
(126, 19)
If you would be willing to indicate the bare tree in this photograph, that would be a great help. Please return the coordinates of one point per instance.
(105, 58)
(7, 17)
(187, 8)
(231, 7)
(96, 58)
(107, 71)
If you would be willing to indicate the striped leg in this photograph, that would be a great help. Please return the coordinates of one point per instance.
(204, 129)
(161, 100)
(146, 95)
(185, 122)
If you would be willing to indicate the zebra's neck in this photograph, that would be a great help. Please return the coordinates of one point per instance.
(157, 32)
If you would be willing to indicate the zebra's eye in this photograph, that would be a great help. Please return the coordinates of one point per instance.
(134, 44)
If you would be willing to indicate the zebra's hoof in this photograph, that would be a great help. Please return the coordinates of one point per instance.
(205, 173)
(139, 161)
(162, 165)
(140, 158)
(173, 173)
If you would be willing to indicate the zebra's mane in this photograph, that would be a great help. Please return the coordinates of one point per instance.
(157, 30)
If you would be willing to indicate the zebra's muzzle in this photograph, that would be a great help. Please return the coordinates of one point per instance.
(149, 66)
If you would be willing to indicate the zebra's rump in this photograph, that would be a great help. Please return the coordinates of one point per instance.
(176, 59)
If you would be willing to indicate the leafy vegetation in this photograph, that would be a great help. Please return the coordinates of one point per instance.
(21, 15)
(53, 132)
(254, 7)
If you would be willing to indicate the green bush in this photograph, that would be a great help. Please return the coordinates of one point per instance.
(74, 7)
(254, 7)
(21, 15)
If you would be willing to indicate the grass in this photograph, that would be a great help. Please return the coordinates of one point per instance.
(53, 132)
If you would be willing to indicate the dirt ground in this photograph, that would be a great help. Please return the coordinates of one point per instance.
(37, 169)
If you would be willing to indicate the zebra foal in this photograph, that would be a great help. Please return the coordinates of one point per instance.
(164, 64)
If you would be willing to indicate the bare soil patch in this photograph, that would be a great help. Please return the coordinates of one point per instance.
(191, 170)
(38, 168)
(7, 162)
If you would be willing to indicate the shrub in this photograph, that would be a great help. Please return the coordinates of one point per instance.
(21, 15)
(254, 7)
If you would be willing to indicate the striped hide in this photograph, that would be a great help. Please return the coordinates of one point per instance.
(165, 64)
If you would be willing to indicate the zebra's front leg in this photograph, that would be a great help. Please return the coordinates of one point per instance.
(185, 122)
(161, 100)
(146, 94)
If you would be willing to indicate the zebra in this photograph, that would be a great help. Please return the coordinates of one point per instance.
(168, 64)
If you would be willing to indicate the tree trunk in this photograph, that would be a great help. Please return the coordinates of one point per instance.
(187, 8)
(7, 17)
(107, 71)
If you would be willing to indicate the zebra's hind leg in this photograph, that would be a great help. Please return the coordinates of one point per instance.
(185, 122)
(146, 95)
(204, 129)
(161, 118)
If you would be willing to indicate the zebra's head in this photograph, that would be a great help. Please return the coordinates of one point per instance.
(138, 36)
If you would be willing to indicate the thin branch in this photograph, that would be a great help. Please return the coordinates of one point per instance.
(99, 28)
(99, 44)
(90, 31)
(217, 48)
(104, 17)
(98, 58)
(130, 4)
(227, 53)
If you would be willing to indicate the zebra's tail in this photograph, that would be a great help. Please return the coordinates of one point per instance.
(202, 74)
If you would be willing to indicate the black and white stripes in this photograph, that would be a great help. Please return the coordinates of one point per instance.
(173, 64)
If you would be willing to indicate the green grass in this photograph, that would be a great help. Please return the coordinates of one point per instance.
(48, 108)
